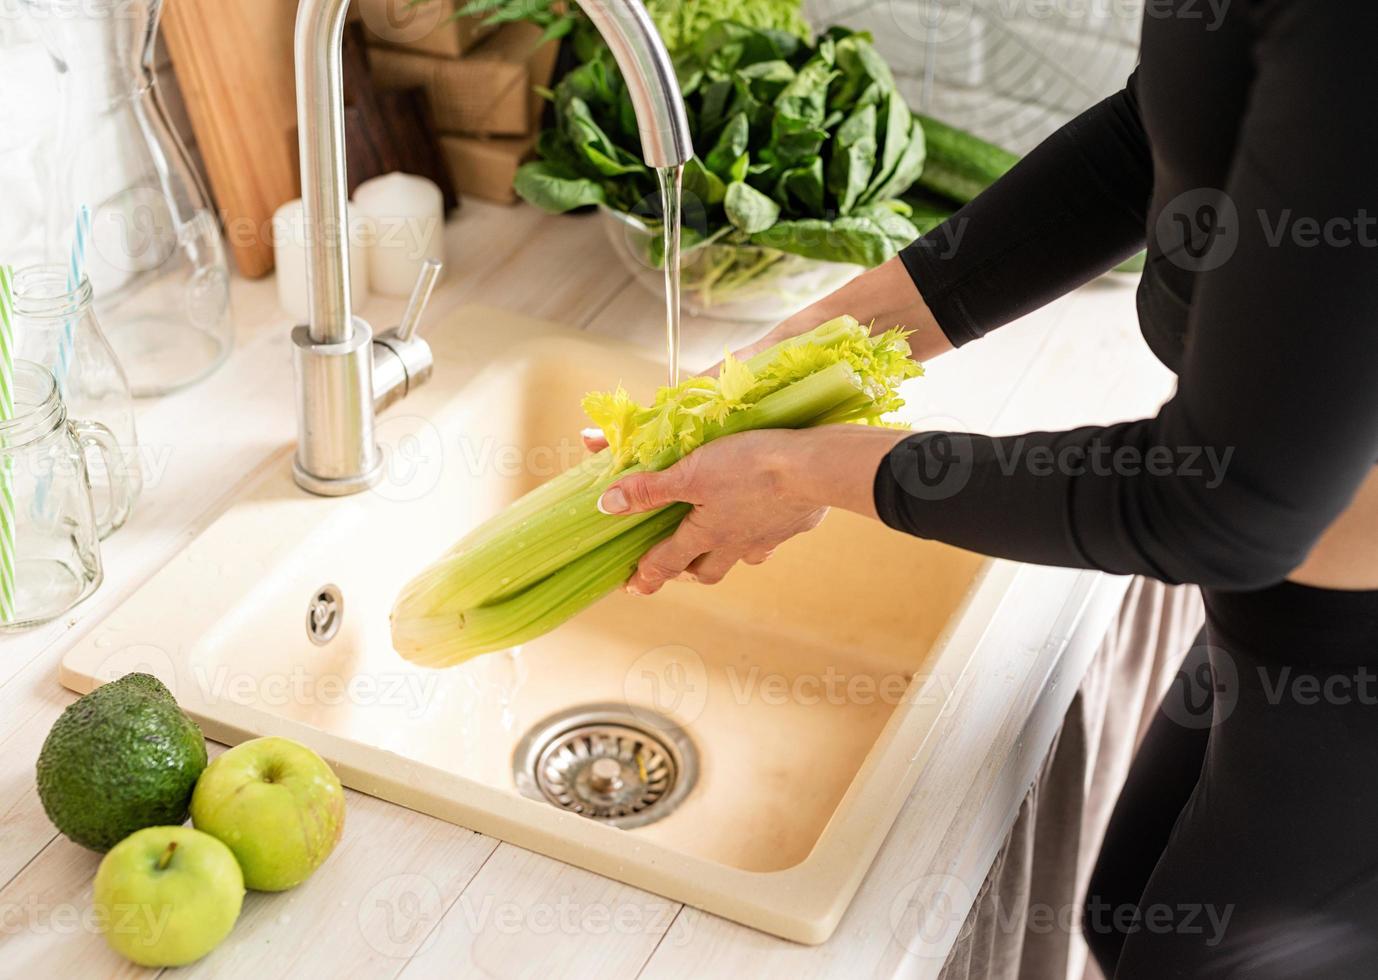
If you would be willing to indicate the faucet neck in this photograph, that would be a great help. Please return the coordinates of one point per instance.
(324, 184)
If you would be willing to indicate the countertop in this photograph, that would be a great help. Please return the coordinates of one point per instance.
(409, 895)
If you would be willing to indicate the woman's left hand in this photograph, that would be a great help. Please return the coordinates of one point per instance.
(745, 505)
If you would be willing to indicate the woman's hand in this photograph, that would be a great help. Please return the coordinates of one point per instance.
(744, 508)
(751, 492)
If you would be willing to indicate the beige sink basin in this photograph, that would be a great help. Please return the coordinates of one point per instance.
(808, 686)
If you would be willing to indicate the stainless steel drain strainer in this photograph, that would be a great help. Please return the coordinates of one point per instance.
(324, 613)
(618, 766)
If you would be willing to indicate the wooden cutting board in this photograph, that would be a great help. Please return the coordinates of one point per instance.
(234, 63)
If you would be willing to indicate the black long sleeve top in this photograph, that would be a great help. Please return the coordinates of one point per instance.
(1244, 152)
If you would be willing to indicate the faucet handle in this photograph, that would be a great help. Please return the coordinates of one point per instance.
(420, 296)
(401, 359)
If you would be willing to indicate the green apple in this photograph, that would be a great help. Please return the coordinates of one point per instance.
(165, 896)
(276, 804)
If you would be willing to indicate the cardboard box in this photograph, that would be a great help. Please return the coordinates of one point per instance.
(467, 95)
(489, 92)
(426, 27)
(517, 43)
(484, 167)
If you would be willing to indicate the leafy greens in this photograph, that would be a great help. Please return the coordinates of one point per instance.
(804, 148)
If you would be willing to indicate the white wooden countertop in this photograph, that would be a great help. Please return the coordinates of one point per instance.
(409, 895)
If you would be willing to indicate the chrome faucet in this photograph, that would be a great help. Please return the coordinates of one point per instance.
(344, 375)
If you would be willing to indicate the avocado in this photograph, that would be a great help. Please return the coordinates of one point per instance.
(119, 759)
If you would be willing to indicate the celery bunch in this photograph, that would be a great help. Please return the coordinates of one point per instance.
(553, 553)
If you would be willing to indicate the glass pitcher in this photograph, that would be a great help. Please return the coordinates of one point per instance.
(49, 547)
(56, 327)
(156, 260)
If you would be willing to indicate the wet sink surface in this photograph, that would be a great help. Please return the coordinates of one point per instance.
(807, 685)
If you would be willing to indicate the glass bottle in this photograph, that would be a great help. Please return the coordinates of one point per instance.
(155, 259)
(56, 327)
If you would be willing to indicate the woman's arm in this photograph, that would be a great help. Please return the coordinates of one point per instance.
(1275, 422)
(885, 296)
(1272, 430)
(1067, 212)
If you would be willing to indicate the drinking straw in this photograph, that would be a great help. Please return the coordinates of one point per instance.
(76, 272)
(7, 556)
(62, 362)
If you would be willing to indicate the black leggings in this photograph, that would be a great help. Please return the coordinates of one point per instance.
(1245, 841)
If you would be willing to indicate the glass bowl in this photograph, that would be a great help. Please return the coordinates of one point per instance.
(724, 280)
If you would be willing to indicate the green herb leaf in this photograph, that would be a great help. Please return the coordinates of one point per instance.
(748, 209)
(853, 157)
(731, 144)
(857, 241)
(702, 184)
(554, 189)
(907, 168)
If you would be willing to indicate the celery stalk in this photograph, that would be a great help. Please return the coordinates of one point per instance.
(443, 640)
(552, 553)
(526, 544)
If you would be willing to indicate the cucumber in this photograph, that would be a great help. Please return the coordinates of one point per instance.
(960, 165)
(927, 211)
(1132, 265)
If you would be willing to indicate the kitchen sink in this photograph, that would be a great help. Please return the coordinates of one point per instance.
(803, 692)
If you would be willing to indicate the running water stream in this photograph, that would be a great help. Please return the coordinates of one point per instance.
(670, 180)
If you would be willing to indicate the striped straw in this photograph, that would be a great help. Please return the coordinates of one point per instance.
(7, 556)
(76, 272)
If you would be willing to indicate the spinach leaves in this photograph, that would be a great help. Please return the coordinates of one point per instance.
(804, 148)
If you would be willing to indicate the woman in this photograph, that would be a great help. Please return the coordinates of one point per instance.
(1245, 152)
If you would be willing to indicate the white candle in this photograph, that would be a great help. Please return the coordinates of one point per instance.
(407, 214)
(289, 253)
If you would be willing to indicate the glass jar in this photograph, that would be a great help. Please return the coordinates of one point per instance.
(50, 554)
(155, 259)
(56, 327)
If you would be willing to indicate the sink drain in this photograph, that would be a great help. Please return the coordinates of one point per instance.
(324, 612)
(606, 763)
